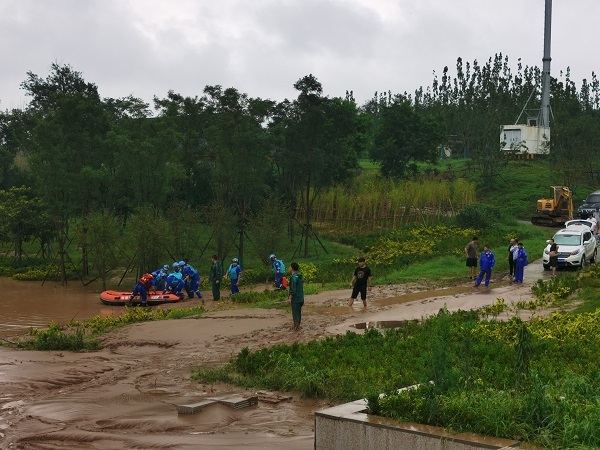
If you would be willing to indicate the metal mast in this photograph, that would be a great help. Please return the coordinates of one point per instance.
(545, 109)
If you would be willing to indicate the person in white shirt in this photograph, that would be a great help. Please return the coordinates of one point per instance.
(594, 226)
(515, 252)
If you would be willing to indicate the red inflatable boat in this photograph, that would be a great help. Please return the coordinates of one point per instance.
(117, 298)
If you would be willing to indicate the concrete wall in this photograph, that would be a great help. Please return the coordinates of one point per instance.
(348, 427)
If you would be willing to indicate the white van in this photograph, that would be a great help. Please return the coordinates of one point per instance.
(576, 247)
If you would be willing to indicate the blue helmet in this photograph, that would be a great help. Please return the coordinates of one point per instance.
(181, 263)
(234, 260)
(272, 256)
(175, 265)
(166, 267)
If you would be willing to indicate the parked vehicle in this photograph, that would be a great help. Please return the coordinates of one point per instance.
(586, 222)
(556, 209)
(576, 247)
(590, 206)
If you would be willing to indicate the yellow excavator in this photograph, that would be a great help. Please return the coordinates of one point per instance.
(555, 211)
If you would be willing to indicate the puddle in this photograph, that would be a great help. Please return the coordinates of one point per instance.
(421, 295)
(382, 324)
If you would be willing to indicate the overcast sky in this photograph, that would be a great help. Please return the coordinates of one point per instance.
(261, 47)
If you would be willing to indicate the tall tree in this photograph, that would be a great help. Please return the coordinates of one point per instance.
(20, 214)
(241, 147)
(403, 137)
(65, 145)
(321, 143)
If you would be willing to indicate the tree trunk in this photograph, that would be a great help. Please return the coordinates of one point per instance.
(241, 248)
(61, 251)
(62, 243)
(307, 218)
(85, 265)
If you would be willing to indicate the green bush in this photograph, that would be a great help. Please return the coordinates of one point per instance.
(479, 216)
(255, 297)
(55, 338)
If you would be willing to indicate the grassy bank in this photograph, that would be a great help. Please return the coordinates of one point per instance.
(83, 335)
(536, 381)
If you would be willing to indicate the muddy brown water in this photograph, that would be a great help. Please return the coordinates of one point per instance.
(27, 304)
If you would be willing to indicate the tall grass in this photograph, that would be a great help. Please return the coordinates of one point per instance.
(372, 202)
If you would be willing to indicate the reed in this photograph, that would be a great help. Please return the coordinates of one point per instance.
(374, 203)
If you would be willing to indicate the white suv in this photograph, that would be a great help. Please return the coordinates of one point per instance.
(576, 247)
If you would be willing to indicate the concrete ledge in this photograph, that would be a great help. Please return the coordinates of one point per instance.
(194, 407)
(349, 427)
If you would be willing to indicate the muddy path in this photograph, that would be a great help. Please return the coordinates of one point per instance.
(126, 395)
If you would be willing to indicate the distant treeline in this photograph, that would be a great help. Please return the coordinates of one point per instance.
(70, 153)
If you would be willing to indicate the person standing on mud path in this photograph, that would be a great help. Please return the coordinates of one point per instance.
(360, 280)
(520, 263)
(511, 260)
(487, 261)
(296, 298)
(215, 278)
(278, 270)
(515, 255)
(553, 256)
(234, 273)
(471, 255)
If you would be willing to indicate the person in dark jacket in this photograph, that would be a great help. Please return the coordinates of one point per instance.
(296, 299)
(486, 263)
(215, 278)
(511, 261)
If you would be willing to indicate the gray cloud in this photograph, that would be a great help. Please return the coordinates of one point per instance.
(146, 47)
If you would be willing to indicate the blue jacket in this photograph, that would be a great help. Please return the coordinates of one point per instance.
(278, 266)
(486, 260)
(173, 279)
(160, 274)
(521, 258)
(190, 272)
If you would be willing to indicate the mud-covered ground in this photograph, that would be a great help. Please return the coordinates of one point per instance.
(126, 395)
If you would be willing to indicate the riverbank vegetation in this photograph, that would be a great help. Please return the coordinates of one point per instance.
(80, 335)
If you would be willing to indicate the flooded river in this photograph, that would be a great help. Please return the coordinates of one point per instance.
(28, 304)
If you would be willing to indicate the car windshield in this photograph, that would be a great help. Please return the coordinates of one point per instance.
(567, 239)
(593, 198)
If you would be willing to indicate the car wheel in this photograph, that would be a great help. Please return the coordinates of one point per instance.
(546, 267)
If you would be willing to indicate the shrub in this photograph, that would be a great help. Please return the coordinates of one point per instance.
(479, 216)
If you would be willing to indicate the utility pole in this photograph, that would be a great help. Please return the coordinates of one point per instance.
(545, 109)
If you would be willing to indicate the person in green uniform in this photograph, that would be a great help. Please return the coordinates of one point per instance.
(215, 278)
(296, 299)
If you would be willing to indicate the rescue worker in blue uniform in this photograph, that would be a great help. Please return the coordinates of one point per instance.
(175, 281)
(234, 273)
(160, 277)
(191, 277)
(487, 261)
(278, 270)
